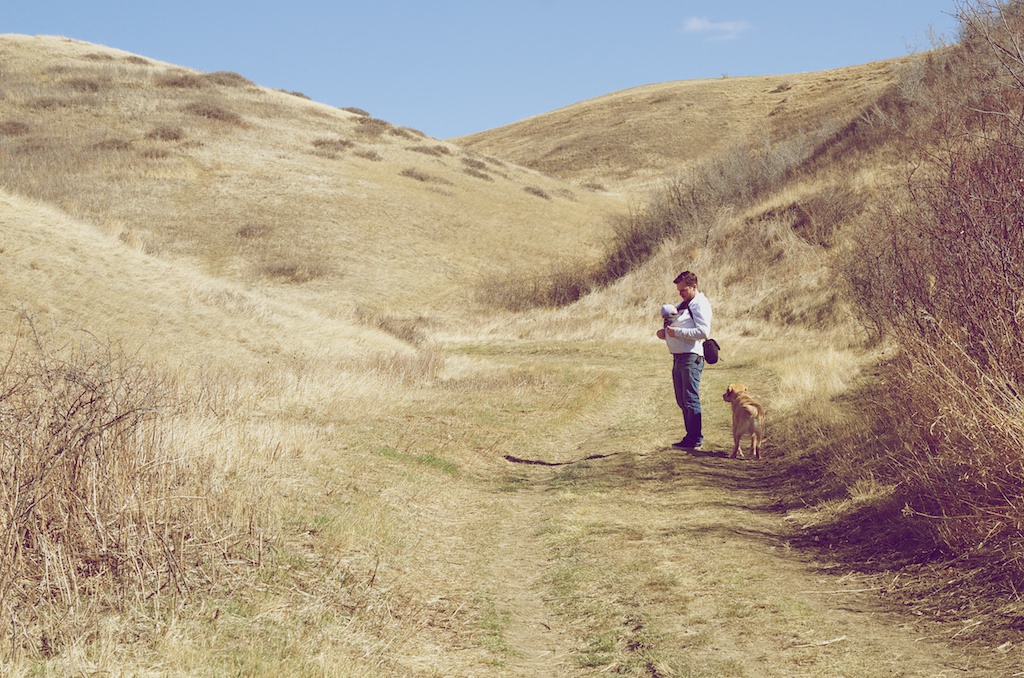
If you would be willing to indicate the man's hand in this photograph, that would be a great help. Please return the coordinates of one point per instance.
(661, 334)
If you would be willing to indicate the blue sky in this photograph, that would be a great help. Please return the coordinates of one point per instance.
(454, 67)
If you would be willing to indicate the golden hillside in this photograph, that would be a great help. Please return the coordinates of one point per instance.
(328, 207)
(636, 138)
(323, 455)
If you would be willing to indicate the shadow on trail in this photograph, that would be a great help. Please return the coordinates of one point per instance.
(541, 462)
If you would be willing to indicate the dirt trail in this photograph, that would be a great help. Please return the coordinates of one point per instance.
(694, 554)
(643, 560)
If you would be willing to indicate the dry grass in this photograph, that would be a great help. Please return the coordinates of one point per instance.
(242, 154)
(677, 125)
(352, 414)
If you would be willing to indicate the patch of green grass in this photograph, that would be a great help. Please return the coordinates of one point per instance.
(491, 624)
(428, 460)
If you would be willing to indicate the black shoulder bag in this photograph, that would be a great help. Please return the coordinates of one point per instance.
(711, 346)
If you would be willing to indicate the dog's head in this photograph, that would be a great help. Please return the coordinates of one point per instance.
(733, 391)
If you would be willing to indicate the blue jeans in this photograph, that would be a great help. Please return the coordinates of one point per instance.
(686, 372)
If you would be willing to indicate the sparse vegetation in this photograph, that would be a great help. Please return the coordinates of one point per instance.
(435, 150)
(419, 175)
(228, 79)
(332, 146)
(14, 128)
(179, 80)
(279, 481)
(99, 510)
(211, 110)
(166, 133)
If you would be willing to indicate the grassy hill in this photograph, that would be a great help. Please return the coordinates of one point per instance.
(267, 410)
(635, 139)
(332, 208)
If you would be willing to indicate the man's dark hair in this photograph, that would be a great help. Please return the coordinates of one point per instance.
(687, 278)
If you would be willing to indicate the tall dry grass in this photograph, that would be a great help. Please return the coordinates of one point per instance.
(946, 279)
(923, 464)
(99, 510)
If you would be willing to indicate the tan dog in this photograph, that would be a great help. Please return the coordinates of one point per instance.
(747, 419)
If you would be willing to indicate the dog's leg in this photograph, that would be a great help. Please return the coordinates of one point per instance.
(736, 446)
(755, 443)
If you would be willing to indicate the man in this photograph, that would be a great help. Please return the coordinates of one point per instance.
(685, 336)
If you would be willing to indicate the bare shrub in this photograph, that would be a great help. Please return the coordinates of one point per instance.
(474, 163)
(179, 80)
(96, 502)
(371, 155)
(944, 276)
(332, 145)
(410, 329)
(436, 150)
(537, 191)
(50, 103)
(295, 272)
(227, 79)
(413, 173)
(113, 145)
(372, 127)
(357, 111)
(166, 133)
(213, 111)
(253, 231)
(477, 174)
(14, 128)
(562, 284)
(90, 85)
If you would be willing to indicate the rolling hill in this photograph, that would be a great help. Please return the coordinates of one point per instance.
(632, 140)
(362, 466)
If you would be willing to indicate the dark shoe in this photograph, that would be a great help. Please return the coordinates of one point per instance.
(685, 444)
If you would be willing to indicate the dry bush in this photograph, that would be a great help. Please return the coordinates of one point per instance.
(85, 84)
(477, 174)
(14, 128)
(537, 191)
(252, 231)
(561, 284)
(435, 150)
(943, 275)
(228, 79)
(98, 507)
(685, 212)
(295, 272)
(179, 80)
(113, 145)
(213, 111)
(166, 133)
(332, 146)
(372, 127)
(413, 173)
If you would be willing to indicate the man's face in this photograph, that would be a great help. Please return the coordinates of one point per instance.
(687, 292)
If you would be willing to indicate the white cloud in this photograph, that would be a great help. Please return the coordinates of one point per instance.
(716, 30)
